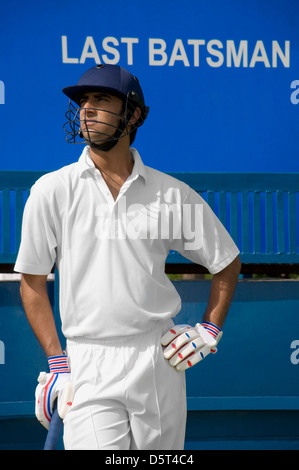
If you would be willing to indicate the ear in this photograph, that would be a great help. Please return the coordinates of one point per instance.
(135, 117)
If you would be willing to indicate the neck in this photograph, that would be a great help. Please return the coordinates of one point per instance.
(116, 165)
(116, 161)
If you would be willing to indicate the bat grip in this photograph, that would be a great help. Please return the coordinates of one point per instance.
(54, 430)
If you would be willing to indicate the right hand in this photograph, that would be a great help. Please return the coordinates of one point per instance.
(53, 385)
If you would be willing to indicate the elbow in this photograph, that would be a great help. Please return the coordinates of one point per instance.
(21, 287)
(238, 263)
(235, 267)
(232, 270)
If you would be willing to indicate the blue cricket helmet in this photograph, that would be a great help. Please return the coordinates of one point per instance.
(114, 80)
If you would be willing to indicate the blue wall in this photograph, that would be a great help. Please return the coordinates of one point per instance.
(244, 397)
(221, 79)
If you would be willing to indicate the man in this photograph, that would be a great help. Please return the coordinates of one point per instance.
(109, 222)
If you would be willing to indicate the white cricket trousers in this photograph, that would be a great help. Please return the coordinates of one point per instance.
(127, 396)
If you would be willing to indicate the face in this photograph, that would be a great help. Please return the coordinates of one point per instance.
(100, 115)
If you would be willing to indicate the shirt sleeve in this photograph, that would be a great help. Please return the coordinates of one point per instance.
(37, 251)
(204, 239)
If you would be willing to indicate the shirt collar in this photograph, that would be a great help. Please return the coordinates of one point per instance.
(85, 163)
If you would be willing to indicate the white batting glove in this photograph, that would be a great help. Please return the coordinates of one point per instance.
(186, 346)
(53, 385)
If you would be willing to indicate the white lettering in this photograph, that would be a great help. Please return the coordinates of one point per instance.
(116, 460)
(284, 57)
(90, 54)
(179, 53)
(130, 42)
(215, 53)
(65, 58)
(110, 50)
(237, 56)
(196, 43)
(259, 55)
(160, 51)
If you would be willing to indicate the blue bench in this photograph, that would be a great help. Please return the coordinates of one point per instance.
(261, 212)
(247, 395)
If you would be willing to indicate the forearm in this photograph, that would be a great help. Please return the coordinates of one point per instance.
(39, 313)
(221, 293)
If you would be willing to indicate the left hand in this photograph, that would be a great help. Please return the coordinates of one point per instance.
(187, 345)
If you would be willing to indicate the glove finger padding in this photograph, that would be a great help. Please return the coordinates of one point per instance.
(189, 349)
(50, 387)
(194, 358)
(186, 346)
(173, 333)
(174, 338)
(66, 400)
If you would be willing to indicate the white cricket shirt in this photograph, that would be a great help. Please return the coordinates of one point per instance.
(111, 254)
